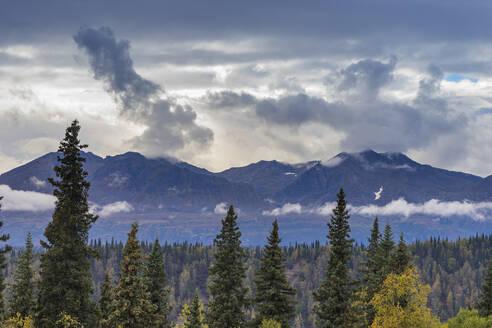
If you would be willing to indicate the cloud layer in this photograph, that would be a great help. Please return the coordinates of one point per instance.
(169, 126)
(400, 208)
(30, 201)
(364, 119)
(433, 207)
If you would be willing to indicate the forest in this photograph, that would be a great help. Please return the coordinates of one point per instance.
(73, 282)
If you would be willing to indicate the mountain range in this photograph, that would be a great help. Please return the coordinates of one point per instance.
(186, 201)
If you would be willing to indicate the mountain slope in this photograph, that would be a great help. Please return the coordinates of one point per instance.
(155, 183)
(178, 201)
(363, 174)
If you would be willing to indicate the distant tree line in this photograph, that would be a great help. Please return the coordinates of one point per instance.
(77, 283)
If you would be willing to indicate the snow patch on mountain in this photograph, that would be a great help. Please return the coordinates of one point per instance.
(37, 183)
(377, 194)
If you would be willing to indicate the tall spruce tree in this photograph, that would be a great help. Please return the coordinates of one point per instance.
(155, 276)
(227, 291)
(66, 282)
(401, 258)
(371, 273)
(132, 307)
(387, 247)
(194, 318)
(333, 297)
(105, 301)
(274, 297)
(485, 304)
(3, 265)
(22, 291)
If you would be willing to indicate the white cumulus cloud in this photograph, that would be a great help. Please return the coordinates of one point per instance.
(113, 208)
(20, 200)
(220, 208)
(285, 209)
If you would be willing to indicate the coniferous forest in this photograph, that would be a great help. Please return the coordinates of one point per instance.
(71, 281)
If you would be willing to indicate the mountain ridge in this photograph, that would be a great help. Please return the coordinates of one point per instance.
(313, 182)
(179, 201)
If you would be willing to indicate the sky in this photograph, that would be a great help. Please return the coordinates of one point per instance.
(227, 83)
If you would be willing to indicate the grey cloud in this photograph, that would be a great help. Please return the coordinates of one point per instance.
(169, 126)
(484, 111)
(326, 19)
(429, 86)
(288, 84)
(367, 77)
(229, 99)
(298, 109)
(314, 31)
(111, 62)
(378, 124)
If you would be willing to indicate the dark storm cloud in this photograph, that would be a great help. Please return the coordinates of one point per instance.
(299, 109)
(347, 18)
(358, 28)
(169, 126)
(111, 62)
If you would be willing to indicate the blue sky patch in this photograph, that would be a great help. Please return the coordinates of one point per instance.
(459, 78)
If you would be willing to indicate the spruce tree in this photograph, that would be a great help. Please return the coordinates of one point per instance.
(105, 301)
(66, 282)
(155, 276)
(386, 249)
(22, 291)
(227, 291)
(3, 265)
(485, 304)
(371, 273)
(274, 297)
(132, 307)
(401, 258)
(333, 297)
(194, 319)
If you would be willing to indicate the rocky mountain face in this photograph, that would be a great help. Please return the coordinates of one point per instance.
(171, 191)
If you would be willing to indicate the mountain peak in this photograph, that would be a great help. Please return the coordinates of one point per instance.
(370, 157)
(128, 154)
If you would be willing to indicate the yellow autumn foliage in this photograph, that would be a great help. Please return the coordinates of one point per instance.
(18, 322)
(270, 323)
(185, 312)
(402, 303)
(67, 321)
